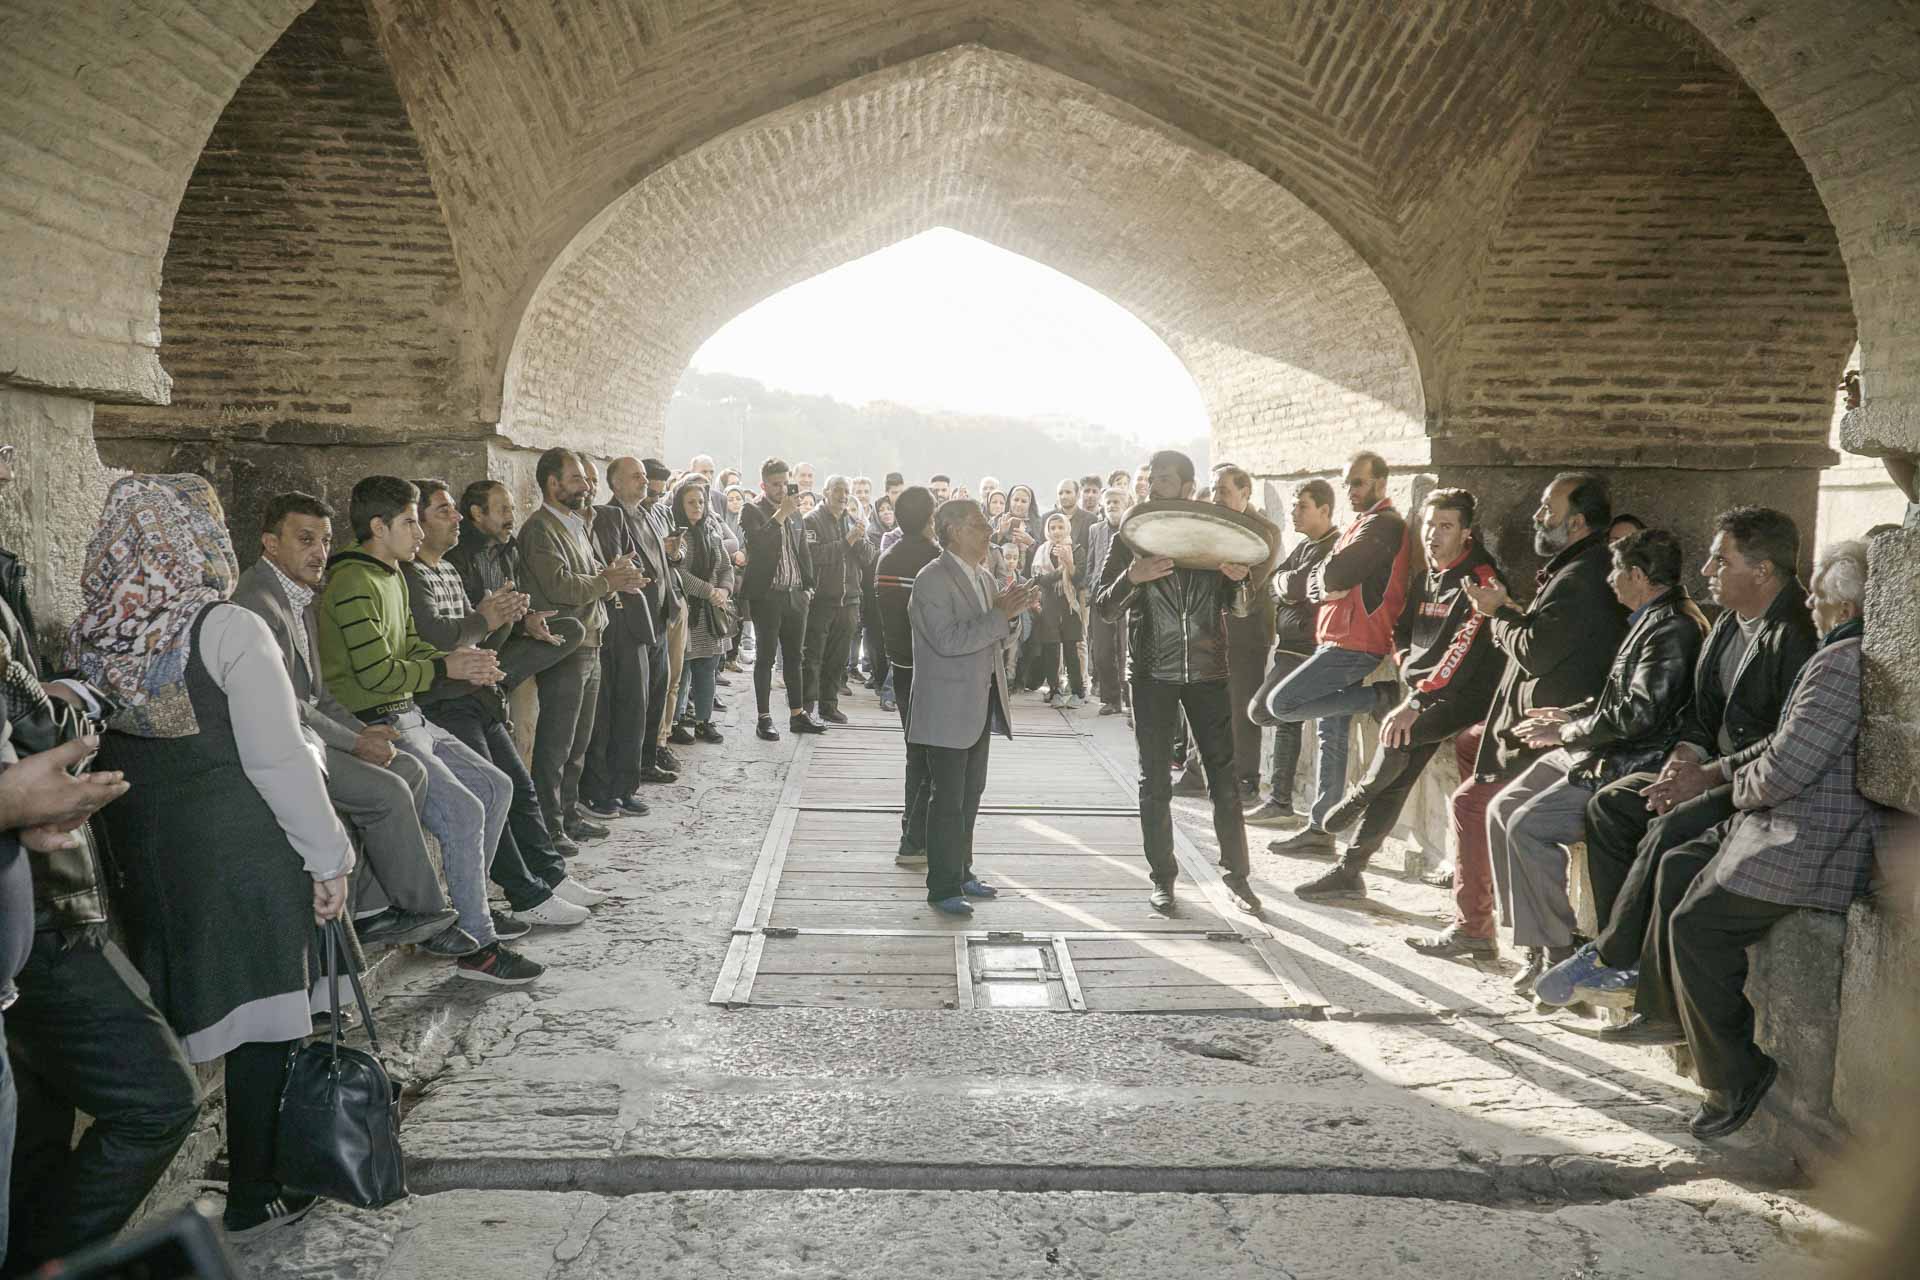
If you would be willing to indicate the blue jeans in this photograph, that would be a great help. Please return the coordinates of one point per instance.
(468, 801)
(1327, 688)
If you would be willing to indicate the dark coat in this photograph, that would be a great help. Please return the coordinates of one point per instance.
(761, 534)
(1293, 621)
(1633, 723)
(1558, 651)
(1447, 658)
(1786, 640)
(1176, 625)
(637, 621)
(837, 567)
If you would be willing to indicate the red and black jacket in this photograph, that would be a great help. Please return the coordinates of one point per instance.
(1370, 563)
(1448, 661)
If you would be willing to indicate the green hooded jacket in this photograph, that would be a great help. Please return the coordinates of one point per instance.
(370, 655)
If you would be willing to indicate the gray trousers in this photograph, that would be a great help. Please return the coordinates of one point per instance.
(382, 807)
(569, 697)
(1530, 823)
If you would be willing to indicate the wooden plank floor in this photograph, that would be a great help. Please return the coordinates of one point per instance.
(832, 922)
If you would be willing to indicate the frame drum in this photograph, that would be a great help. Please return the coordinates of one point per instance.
(1199, 535)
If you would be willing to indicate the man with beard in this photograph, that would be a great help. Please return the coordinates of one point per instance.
(1750, 661)
(778, 578)
(1361, 584)
(1177, 654)
(894, 577)
(1449, 668)
(1557, 652)
(838, 548)
(567, 576)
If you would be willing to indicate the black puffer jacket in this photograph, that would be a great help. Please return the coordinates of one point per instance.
(1787, 639)
(1176, 625)
(1633, 723)
(1293, 621)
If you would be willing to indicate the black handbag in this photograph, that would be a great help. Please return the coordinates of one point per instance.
(339, 1126)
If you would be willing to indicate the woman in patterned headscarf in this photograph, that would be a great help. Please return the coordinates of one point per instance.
(226, 841)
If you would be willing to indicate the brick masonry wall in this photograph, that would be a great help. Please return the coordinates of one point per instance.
(1665, 275)
(1285, 329)
(311, 293)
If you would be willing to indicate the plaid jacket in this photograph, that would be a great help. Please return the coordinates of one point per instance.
(1804, 835)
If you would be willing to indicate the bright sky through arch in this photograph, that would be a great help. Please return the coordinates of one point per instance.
(946, 321)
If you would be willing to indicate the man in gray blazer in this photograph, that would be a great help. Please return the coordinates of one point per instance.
(376, 789)
(961, 631)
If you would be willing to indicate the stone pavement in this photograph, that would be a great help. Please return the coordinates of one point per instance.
(608, 1120)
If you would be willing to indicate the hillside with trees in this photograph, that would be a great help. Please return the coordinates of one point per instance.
(710, 412)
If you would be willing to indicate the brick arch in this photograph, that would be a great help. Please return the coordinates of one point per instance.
(1286, 330)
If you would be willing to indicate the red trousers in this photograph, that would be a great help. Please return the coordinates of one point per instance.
(1472, 864)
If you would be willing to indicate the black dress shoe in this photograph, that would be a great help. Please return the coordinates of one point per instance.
(833, 715)
(765, 730)
(581, 830)
(654, 773)
(1722, 1113)
(804, 723)
(633, 808)
(565, 847)
(1161, 899)
(665, 759)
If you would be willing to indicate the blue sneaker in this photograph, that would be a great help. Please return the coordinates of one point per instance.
(1555, 986)
(952, 906)
(976, 888)
(1610, 988)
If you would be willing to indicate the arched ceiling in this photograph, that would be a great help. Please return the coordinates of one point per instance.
(1281, 323)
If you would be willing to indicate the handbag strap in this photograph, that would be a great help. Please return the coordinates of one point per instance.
(338, 951)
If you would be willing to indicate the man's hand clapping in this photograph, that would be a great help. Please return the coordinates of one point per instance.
(623, 575)
(475, 666)
(1017, 599)
(536, 626)
(503, 605)
(1487, 600)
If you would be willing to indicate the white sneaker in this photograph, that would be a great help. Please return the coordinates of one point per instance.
(578, 894)
(556, 912)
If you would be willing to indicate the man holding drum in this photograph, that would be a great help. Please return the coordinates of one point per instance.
(1177, 660)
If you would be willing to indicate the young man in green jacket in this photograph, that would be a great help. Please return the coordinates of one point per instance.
(374, 661)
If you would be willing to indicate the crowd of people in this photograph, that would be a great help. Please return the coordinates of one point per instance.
(335, 705)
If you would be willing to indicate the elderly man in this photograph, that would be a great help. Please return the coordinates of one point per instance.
(633, 655)
(838, 547)
(1177, 655)
(961, 632)
(1801, 838)
(1631, 724)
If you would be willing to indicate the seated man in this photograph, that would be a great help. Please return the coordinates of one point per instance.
(375, 662)
(376, 790)
(1631, 723)
(525, 864)
(1752, 656)
(1450, 667)
(1802, 837)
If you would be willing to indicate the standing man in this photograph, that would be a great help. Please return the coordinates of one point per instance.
(1557, 653)
(565, 575)
(633, 656)
(803, 477)
(1294, 617)
(837, 545)
(894, 577)
(660, 764)
(1107, 637)
(961, 632)
(940, 487)
(1449, 667)
(488, 558)
(1177, 650)
(1363, 583)
(779, 576)
(1249, 638)
(895, 483)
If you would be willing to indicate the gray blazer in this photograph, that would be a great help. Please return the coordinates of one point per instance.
(259, 590)
(959, 650)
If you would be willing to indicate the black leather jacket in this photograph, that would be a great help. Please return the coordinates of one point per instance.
(1635, 720)
(69, 892)
(1787, 639)
(1176, 625)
